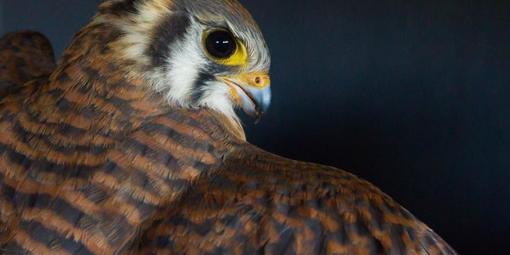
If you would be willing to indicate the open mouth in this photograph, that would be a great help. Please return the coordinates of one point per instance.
(253, 100)
(242, 91)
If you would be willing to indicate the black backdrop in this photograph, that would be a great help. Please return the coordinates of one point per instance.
(411, 95)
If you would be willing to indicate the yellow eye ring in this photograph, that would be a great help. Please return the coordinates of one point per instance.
(225, 49)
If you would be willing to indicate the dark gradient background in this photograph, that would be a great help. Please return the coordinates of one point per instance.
(411, 95)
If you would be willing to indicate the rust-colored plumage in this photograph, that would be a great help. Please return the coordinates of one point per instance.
(93, 161)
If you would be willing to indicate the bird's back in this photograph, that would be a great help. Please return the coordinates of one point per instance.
(265, 204)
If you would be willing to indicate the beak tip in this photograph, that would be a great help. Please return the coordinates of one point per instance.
(263, 102)
(254, 101)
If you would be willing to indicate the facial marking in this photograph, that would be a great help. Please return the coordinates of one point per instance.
(165, 39)
(184, 65)
(172, 29)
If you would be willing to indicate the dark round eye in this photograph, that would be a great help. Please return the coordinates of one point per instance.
(220, 44)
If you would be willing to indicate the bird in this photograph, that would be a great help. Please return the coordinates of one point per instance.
(132, 144)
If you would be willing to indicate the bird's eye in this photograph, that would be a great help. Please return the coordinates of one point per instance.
(220, 44)
(224, 48)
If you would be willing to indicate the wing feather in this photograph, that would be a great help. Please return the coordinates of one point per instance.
(260, 203)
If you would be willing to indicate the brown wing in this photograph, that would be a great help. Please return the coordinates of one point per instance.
(24, 56)
(264, 204)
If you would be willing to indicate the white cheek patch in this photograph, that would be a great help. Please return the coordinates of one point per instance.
(183, 67)
(184, 64)
(177, 80)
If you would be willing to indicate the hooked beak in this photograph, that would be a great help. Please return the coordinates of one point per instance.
(251, 92)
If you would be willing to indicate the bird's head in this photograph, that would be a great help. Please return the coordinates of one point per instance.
(197, 53)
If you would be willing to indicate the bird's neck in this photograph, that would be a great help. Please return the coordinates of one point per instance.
(97, 91)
